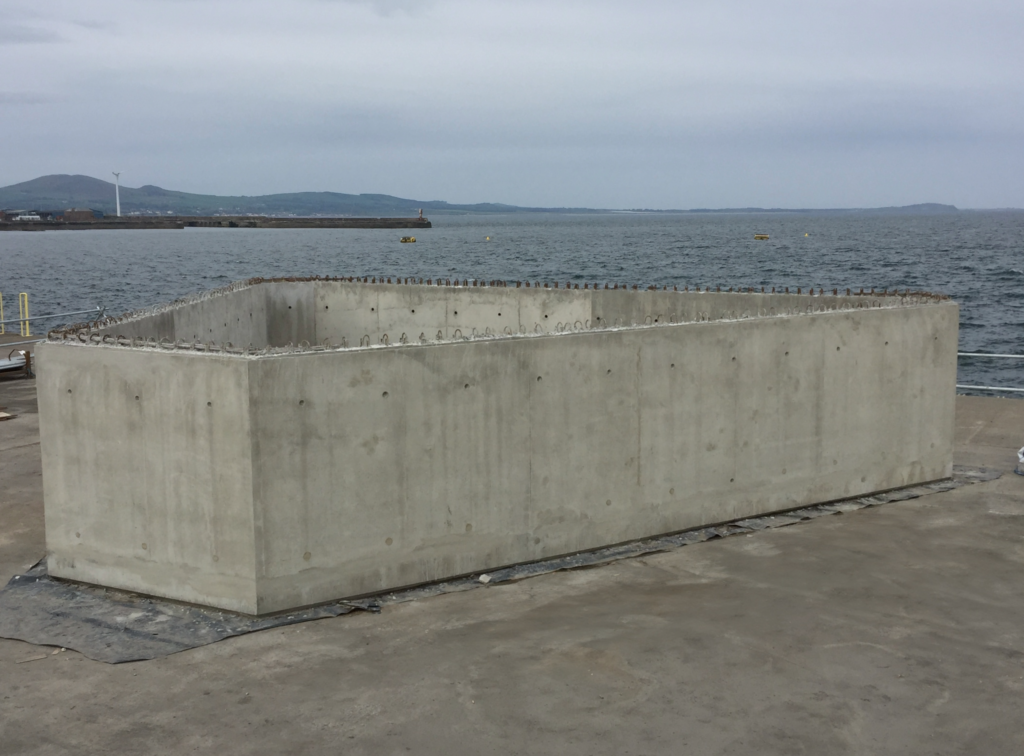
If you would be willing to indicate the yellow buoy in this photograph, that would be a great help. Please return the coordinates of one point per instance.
(806, 234)
(487, 238)
(408, 239)
(761, 236)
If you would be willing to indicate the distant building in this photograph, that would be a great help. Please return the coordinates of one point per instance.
(80, 214)
(26, 215)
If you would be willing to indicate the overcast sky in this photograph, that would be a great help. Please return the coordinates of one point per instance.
(791, 103)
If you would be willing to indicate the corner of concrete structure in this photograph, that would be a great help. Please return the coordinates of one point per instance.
(255, 490)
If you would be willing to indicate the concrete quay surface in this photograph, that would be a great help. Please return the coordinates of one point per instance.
(891, 630)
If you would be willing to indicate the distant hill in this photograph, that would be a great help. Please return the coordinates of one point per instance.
(925, 208)
(61, 191)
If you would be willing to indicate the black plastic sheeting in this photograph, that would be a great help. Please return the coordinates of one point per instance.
(116, 626)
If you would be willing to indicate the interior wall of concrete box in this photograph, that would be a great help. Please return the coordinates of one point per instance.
(340, 313)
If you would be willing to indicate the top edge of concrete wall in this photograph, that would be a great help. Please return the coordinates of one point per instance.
(895, 298)
(816, 306)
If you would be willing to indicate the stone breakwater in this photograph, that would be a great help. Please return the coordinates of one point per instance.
(217, 221)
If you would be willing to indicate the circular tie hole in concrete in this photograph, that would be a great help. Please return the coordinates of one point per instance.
(385, 395)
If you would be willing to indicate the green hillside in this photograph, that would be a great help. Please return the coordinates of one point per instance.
(59, 192)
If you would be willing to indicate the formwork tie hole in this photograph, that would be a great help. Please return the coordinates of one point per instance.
(385, 395)
(209, 404)
(302, 402)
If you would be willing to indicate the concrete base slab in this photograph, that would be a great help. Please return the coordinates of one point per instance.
(116, 626)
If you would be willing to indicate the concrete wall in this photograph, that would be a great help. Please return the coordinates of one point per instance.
(317, 475)
(147, 471)
(279, 313)
(353, 312)
(392, 467)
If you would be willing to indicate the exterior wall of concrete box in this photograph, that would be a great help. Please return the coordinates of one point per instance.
(413, 433)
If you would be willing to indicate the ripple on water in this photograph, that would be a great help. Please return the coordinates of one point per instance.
(974, 257)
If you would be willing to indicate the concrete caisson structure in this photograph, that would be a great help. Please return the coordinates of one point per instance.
(279, 443)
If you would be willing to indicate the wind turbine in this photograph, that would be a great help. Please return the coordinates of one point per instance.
(117, 191)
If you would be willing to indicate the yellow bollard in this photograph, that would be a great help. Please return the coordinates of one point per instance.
(26, 329)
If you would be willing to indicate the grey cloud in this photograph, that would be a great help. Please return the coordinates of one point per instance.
(22, 98)
(16, 34)
(656, 104)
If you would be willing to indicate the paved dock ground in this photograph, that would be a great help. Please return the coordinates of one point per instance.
(892, 630)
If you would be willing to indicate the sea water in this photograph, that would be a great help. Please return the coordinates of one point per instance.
(977, 258)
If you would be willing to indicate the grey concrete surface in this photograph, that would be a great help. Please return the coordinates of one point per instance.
(265, 482)
(892, 630)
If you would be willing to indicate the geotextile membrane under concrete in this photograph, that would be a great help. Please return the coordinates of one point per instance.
(117, 626)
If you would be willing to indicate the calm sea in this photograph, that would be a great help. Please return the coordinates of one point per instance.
(975, 257)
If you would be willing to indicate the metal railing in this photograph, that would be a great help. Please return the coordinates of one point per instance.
(98, 312)
(1006, 389)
